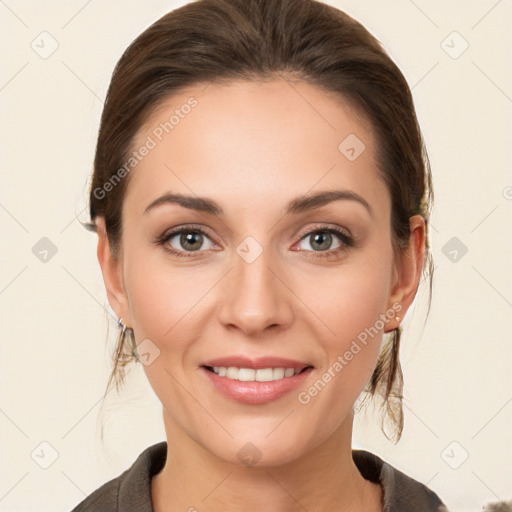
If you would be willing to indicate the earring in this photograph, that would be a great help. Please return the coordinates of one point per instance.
(122, 326)
(398, 319)
(124, 329)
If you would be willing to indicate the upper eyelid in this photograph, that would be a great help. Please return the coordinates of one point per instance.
(325, 227)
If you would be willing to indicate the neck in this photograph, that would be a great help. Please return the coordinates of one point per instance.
(324, 479)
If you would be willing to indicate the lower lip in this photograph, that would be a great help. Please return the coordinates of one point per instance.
(256, 392)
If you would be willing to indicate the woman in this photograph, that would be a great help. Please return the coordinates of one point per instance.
(236, 136)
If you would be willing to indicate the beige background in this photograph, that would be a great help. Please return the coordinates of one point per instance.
(54, 362)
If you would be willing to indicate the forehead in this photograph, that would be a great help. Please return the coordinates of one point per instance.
(254, 141)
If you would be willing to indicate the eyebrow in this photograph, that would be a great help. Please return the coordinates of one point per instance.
(297, 205)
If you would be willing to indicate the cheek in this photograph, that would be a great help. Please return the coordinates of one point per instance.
(349, 299)
(350, 303)
(165, 308)
(168, 302)
(163, 298)
(351, 352)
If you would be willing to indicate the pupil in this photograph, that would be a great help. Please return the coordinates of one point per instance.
(189, 239)
(323, 237)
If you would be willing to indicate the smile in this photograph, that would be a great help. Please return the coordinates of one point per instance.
(255, 386)
(253, 375)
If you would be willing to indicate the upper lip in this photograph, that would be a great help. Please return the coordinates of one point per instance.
(256, 363)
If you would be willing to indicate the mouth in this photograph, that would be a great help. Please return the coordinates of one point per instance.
(255, 381)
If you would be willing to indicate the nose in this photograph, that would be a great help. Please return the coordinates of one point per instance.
(255, 296)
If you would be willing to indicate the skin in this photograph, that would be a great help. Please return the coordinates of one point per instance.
(252, 147)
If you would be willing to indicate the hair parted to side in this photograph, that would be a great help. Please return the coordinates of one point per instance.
(223, 40)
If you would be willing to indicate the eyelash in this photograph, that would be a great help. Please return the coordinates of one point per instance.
(346, 241)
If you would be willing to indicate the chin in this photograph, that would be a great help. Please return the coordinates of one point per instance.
(260, 449)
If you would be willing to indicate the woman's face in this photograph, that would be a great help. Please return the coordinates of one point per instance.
(259, 272)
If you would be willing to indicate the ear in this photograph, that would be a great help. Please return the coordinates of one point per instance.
(111, 268)
(408, 271)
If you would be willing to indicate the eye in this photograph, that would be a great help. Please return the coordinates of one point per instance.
(183, 240)
(321, 239)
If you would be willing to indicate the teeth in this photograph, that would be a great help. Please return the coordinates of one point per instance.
(280, 373)
(252, 375)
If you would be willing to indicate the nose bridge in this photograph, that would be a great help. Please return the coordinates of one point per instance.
(254, 298)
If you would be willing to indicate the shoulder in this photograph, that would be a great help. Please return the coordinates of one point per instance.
(104, 498)
(401, 492)
(131, 490)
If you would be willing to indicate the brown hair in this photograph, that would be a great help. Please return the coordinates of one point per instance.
(222, 40)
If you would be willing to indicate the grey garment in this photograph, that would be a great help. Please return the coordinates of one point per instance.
(131, 491)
